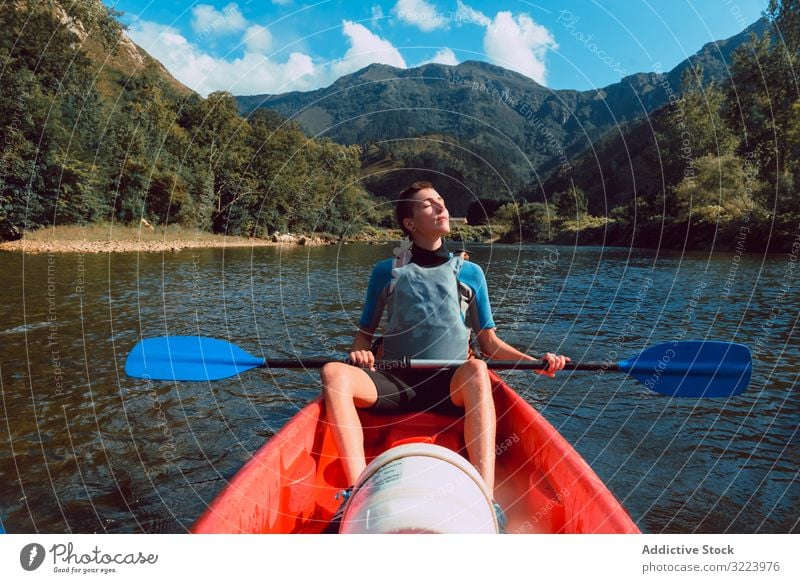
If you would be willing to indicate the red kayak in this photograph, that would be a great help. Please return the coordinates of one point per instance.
(542, 483)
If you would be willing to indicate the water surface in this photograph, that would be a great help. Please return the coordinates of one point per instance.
(87, 449)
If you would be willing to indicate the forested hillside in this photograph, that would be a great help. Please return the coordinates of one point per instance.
(718, 167)
(92, 129)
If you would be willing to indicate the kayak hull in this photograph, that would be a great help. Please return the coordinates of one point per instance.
(542, 483)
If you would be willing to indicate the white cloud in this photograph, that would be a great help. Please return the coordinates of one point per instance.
(519, 44)
(254, 73)
(257, 39)
(444, 56)
(377, 15)
(207, 20)
(180, 57)
(419, 13)
(251, 74)
(366, 48)
(468, 15)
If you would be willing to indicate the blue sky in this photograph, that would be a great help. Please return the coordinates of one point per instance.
(263, 46)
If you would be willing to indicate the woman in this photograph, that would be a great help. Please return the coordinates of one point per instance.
(429, 294)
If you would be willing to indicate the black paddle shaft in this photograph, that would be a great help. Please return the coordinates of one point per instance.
(389, 365)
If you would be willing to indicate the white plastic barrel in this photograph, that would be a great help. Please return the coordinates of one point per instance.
(419, 488)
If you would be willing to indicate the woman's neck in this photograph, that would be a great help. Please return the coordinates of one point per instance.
(426, 243)
(426, 258)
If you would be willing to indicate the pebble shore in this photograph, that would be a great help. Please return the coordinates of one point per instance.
(141, 246)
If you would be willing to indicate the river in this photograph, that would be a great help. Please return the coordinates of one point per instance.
(84, 448)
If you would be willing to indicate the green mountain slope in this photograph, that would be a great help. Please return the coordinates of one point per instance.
(492, 114)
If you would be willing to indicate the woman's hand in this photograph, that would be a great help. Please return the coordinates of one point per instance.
(363, 359)
(555, 362)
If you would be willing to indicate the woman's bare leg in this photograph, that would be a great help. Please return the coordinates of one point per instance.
(347, 388)
(471, 388)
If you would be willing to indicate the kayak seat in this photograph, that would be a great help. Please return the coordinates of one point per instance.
(382, 432)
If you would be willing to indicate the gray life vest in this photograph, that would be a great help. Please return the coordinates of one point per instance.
(425, 315)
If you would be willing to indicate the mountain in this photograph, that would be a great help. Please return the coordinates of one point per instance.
(497, 121)
(94, 130)
(117, 60)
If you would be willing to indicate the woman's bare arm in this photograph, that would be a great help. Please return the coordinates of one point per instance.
(496, 349)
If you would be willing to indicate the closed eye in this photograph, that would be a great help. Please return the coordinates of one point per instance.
(429, 202)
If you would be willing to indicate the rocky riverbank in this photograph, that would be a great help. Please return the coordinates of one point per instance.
(105, 238)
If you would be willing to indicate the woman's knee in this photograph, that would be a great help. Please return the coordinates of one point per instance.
(476, 366)
(471, 383)
(334, 379)
(475, 372)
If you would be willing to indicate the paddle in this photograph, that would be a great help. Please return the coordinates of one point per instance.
(687, 368)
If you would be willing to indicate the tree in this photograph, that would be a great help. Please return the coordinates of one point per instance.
(689, 129)
(481, 211)
(720, 192)
(49, 116)
(571, 205)
(530, 221)
(219, 141)
(763, 91)
(785, 17)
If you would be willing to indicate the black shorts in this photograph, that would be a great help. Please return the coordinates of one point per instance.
(412, 390)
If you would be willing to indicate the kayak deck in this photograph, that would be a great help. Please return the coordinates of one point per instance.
(542, 483)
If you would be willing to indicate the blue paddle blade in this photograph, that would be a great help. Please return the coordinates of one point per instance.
(693, 368)
(188, 358)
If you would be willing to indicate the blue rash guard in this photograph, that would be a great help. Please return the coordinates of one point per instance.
(470, 277)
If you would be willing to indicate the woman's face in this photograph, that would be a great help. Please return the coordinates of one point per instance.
(431, 218)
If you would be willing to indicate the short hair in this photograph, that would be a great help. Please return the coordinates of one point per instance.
(404, 209)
